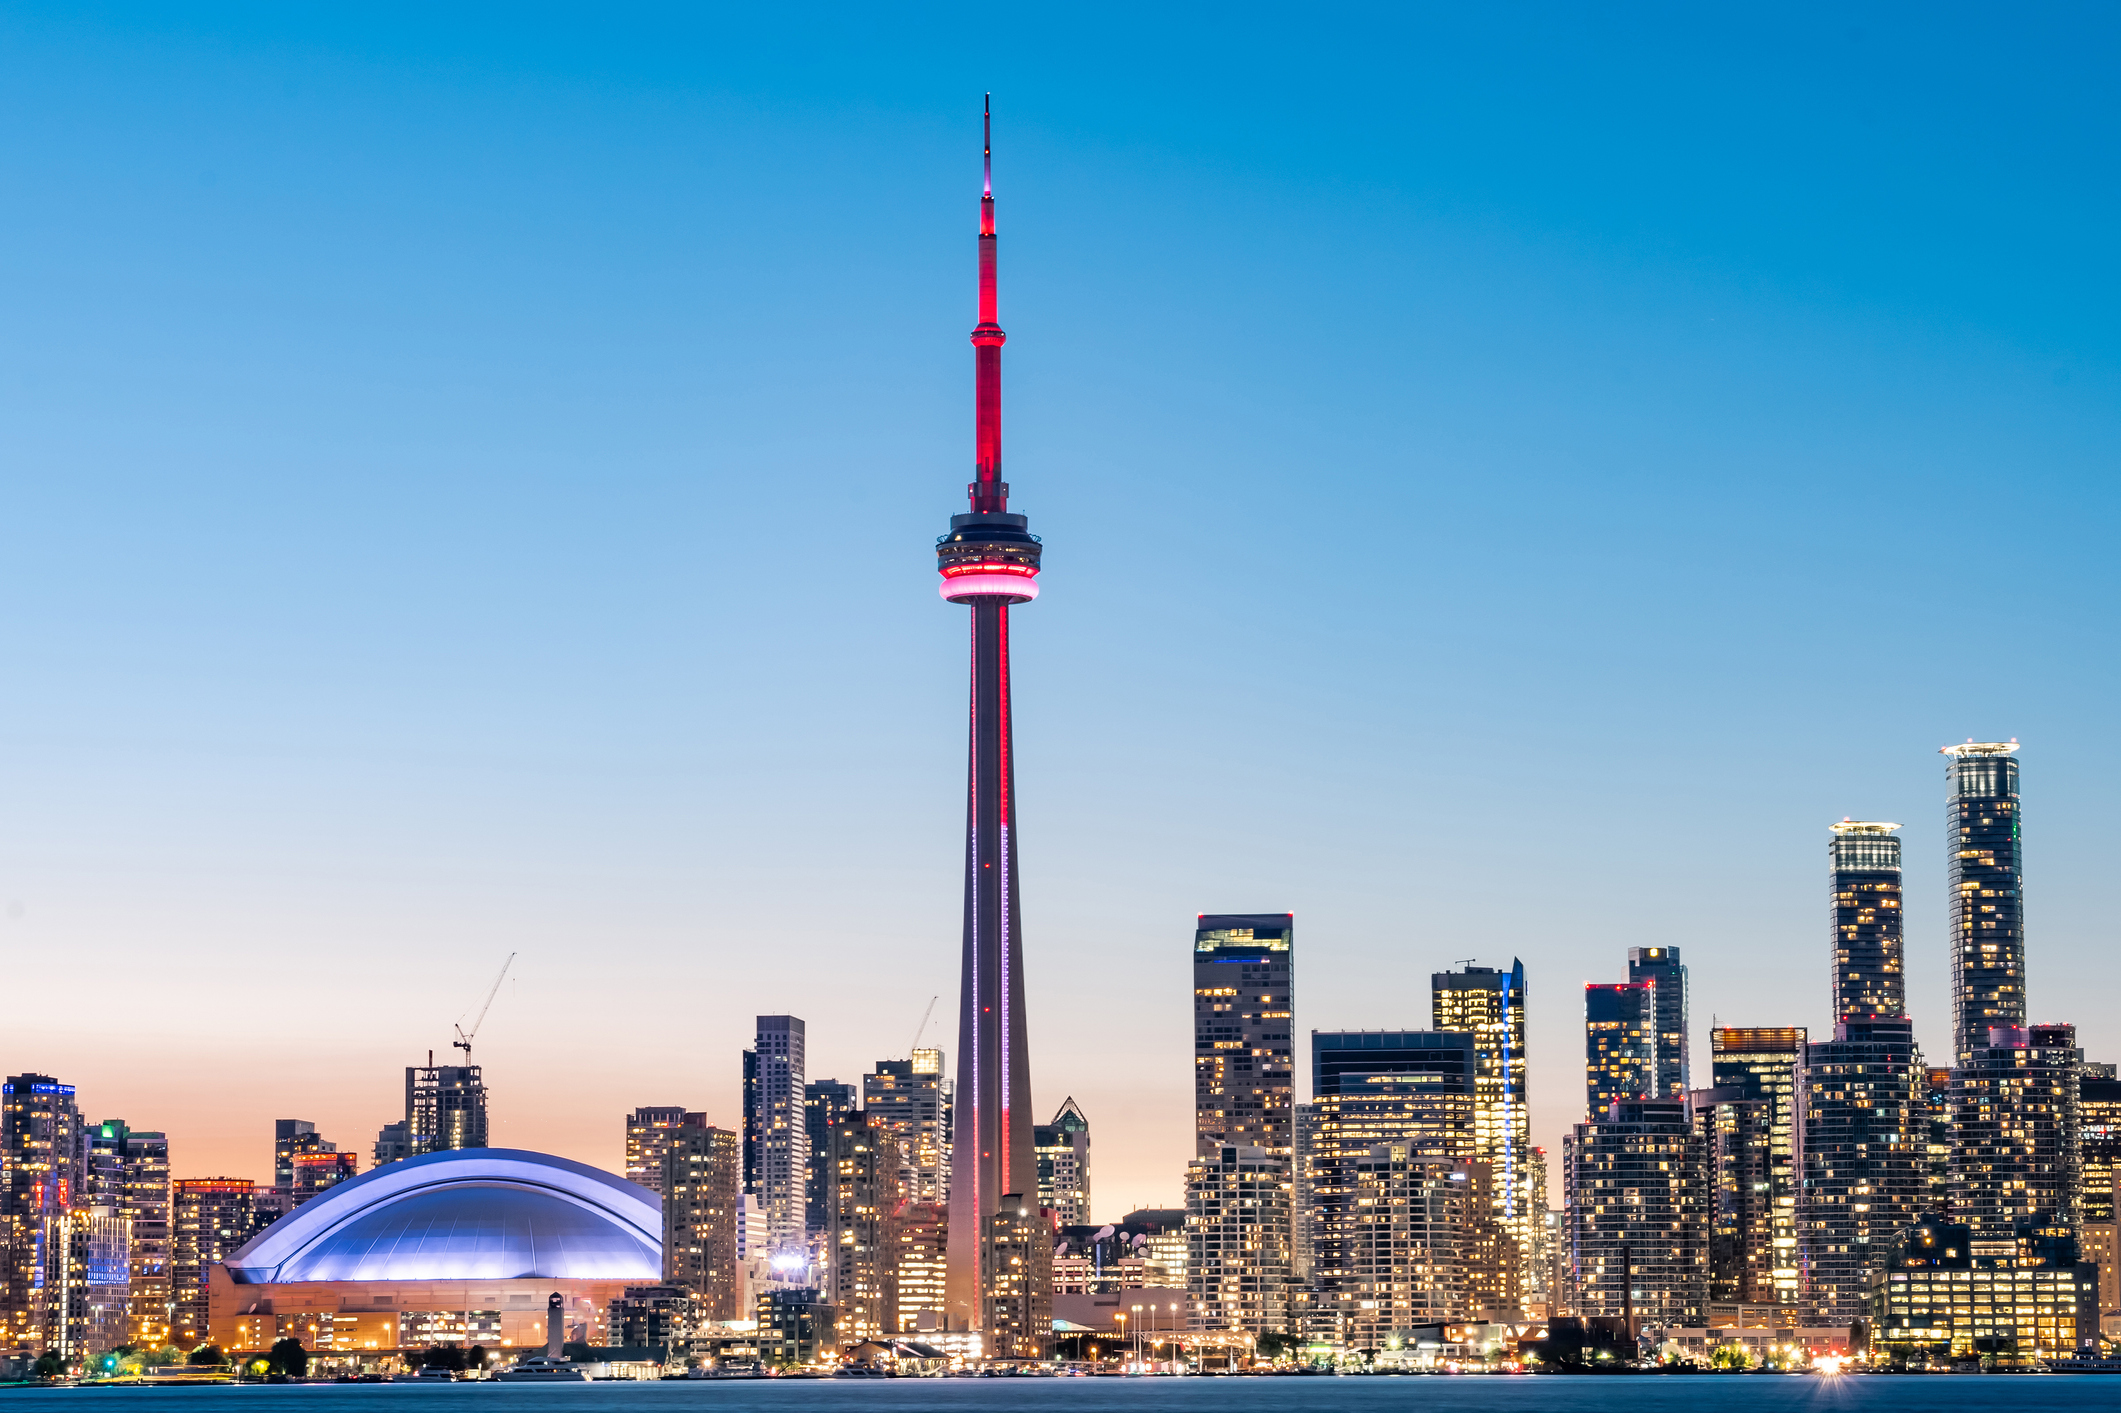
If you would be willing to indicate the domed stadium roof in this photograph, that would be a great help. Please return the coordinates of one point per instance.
(472, 1214)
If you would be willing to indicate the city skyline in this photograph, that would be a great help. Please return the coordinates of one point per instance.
(402, 579)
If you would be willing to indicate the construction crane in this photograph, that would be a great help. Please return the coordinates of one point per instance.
(463, 1040)
(922, 1028)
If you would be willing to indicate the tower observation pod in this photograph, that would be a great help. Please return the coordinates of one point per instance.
(999, 1252)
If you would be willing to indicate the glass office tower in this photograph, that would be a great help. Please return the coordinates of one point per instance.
(1619, 1043)
(1244, 1065)
(1660, 968)
(1986, 856)
(1864, 872)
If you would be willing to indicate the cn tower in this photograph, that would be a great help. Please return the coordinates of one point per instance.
(989, 561)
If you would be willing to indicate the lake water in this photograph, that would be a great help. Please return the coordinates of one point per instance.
(1869, 1393)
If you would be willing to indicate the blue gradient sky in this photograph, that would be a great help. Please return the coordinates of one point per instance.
(1511, 478)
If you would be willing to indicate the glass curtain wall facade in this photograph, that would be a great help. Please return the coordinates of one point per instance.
(1864, 887)
(1986, 859)
(1244, 1066)
(1661, 969)
(1620, 1043)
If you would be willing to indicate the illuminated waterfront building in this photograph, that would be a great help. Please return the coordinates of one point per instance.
(1402, 1251)
(783, 1143)
(289, 1137)
(1063, 1149)
(828, 1105)
(1736, 1145)
(1937, 1125)
(457, 1246)
(1945, 1292)
(1986, 857)
(699, 1182)
(1864, 895)
(1861, 1160)
(911, 1098)
(989, 561)
(41, 1171)
(1244, 1068)
(445, 1110)
(862, 1250)
(91, 1309)
(1762, 1063)
(923, 1235)
(210, 1218)
(649, 1130)
(316, 1172)
(129, 1170)
(2016, 1132)
(1488, 1004)
(1237, 1240)
(1635, 1233)
(1620, 1043)
(1376, 1094)
(2099, 1176)
(1660, 969)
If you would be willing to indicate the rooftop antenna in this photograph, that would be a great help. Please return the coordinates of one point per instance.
(463, 1040)
(922, 1028)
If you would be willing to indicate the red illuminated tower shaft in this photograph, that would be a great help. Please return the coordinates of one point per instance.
(989, 561)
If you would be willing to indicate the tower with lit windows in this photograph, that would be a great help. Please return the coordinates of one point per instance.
(989, 563)
(1985, 853)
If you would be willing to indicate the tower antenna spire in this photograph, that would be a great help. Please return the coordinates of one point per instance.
(989, 493)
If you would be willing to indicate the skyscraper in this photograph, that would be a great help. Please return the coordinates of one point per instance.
(2017, 1132)
(1762, 1063)
(1660, 968)
(2099, 1176)
(911, 1098)
(649, 1130)
(990, 561)
(1244, 1068)
(827, 1104)
(861, 1229)
(445, 1109)
(1063, 1149)
(784, 1136)
(211, 1217)
(1619, 1043)
(1864, 897)
(289, 1137)
(1488, 1004)
(699, 1181)
(1237, 1247)
(1986, 857)
(41, 1170)
(1636, 1230)
(1395, 1108)
(317, 1172)
(130, 1170)
(1861, 1159)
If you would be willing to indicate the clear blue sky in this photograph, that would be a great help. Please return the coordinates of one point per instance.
(1511, 477)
